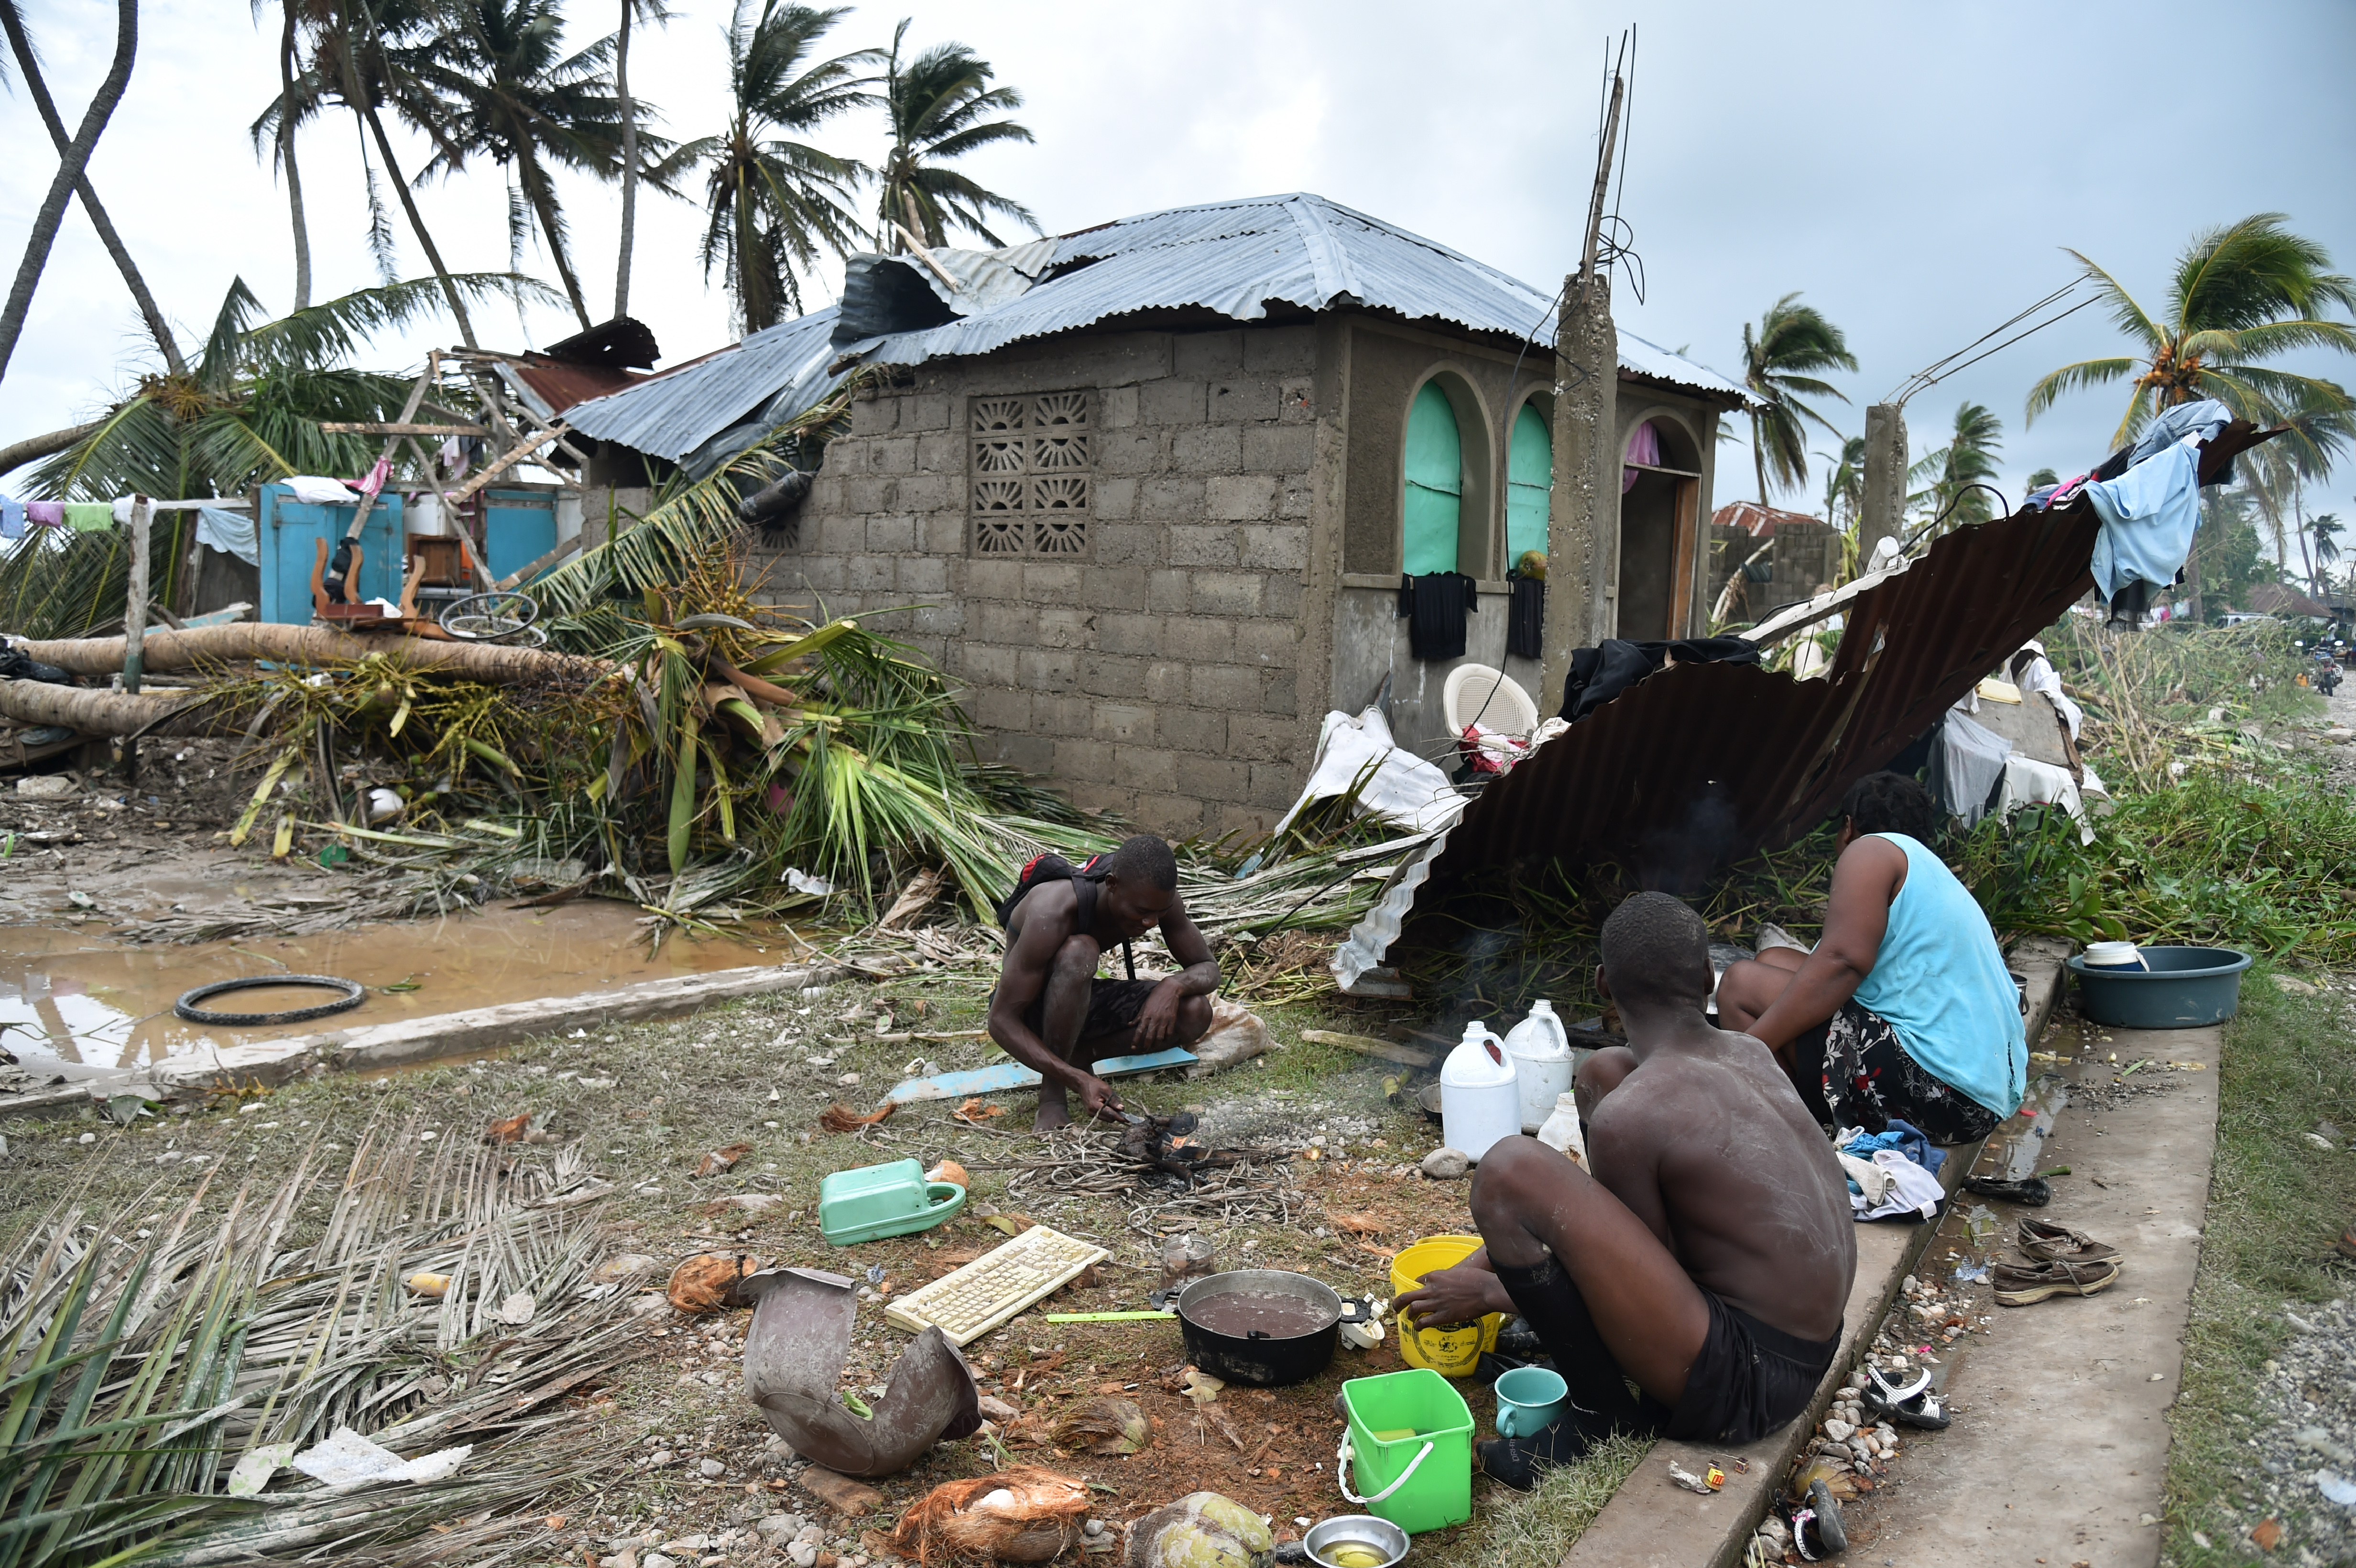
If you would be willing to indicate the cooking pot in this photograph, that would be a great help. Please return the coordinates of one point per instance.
(1284, 1356)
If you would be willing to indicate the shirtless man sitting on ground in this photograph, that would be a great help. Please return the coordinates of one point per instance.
(1052, 1014)
(1710, 1257)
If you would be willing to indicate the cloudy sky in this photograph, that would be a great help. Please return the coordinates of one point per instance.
(1915, 171)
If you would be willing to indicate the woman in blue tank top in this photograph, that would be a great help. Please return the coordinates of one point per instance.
(1905, 1010)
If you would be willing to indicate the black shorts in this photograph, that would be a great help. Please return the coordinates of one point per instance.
(1868, 1080)
(1113, 1006)
(1747, 1379)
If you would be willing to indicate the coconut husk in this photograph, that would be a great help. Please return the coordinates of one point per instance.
(1024, 1515)
(708, 1281)
(844, 1119)
(1106, 1426)
(721, 1159)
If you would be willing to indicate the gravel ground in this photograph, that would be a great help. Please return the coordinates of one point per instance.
(2341, 758)
(2302, 1448)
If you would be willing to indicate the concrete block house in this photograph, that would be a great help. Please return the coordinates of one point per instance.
(1147, 491)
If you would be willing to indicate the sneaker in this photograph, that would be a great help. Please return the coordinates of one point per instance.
(2022, 1285)
(2048, 1243)
(1520, 1462)
(18, 665)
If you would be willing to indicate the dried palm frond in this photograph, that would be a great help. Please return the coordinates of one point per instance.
(141, 1370)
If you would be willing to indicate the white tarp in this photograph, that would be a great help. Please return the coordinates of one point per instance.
(1404, 789)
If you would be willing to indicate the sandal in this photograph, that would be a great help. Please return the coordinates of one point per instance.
(1915, 1405)
(2048, 1243)
(2020, 1286)
(1818, 1530)
(2032, 1190)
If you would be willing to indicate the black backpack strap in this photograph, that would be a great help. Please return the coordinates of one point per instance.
(1085, 884)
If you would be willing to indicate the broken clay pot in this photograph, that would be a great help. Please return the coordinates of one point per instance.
(793, 1361)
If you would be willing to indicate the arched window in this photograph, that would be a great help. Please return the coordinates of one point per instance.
(1435, 484)
(1529, 482)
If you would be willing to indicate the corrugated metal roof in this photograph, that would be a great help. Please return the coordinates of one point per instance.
(1758, 519)
(1234, 258)
(1702, 764)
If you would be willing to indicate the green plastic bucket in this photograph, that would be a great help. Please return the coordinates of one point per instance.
(2184, 987)
(1420, 1482)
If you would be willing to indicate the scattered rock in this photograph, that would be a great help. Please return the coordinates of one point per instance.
(711, 1469)
(2295, 988)
(45, 786)
(1445, 1165)
(1838, 1431)
(780, 1528)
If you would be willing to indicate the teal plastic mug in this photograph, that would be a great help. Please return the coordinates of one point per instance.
(1528, 1401)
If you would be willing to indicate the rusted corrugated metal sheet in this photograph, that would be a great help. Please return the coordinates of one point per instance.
(562, 385)
(1758, 519)
(1704, 763)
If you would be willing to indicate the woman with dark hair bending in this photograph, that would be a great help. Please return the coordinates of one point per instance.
(1905, 1010)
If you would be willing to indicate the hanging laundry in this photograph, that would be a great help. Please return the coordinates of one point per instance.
(12, 518)
(1967, 762)
(1526, 618)
(1435, 605)
(2148, 513)
(45, 514)
(457, 458)
(232, 533)
(374, 482)
(90, 517)
(1644, 447)
(2202, 420)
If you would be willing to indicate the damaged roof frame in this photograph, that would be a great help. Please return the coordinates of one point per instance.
(1702, 764)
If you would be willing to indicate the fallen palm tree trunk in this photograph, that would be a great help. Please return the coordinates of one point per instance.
(93, 711)
(165, 651)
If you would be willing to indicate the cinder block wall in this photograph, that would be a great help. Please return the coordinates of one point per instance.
(1160, 675)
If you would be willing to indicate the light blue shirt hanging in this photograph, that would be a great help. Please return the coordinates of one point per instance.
(2148, 513)
(11, 517)
(234, 532)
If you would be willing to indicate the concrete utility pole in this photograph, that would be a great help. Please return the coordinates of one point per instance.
(1583, 516)
(1885, 478)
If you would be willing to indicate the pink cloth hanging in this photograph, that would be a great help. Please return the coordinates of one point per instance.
(45, 514)
(1644, 447)
(376, 476)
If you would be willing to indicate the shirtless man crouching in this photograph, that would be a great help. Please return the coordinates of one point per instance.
(1707, 1260)
(1050, 1012)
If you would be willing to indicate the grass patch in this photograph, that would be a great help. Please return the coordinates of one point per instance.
(1518, 1532)
(2276, 1204)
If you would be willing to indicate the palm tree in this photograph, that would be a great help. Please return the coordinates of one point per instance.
(2241, 294)
(1845, 482)
(250, 406)
(298, 91)
(72, 160)
(20, 43)
(938, 104)
(1967, 459)
(1791, 339)
(772, 202)
(632, 11)
(364, 54)
(508, 92)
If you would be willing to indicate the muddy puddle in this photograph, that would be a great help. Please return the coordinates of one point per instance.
(74, 999)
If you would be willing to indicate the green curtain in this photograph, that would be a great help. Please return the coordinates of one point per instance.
(1529, 481)
(1435, 484)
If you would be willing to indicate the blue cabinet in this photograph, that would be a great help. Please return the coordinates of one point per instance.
(518, 527)
(291, 532)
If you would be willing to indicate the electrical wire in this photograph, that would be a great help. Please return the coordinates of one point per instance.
(1939, 370)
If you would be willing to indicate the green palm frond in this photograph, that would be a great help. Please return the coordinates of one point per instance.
(2070, 377)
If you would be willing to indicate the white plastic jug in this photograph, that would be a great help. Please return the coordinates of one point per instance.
(1480, 1101)
(1542, 1065)
(1563, 1130)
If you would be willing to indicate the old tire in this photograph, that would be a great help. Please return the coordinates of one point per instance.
(354, 993)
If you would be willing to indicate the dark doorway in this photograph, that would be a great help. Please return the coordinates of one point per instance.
(1648, 546)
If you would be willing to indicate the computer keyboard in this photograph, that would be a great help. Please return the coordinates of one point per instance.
(992, 1288)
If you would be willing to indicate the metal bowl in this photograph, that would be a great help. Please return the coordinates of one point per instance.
(1357, 1529)
(1263, 1360)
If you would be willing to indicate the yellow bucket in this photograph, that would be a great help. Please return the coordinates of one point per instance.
(1451, 1352)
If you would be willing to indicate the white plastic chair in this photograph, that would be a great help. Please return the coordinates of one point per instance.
(1477, 694)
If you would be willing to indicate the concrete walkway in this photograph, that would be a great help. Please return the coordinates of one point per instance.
(2058, 1450)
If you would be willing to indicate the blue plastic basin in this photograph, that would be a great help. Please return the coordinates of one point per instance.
(2184, 987)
